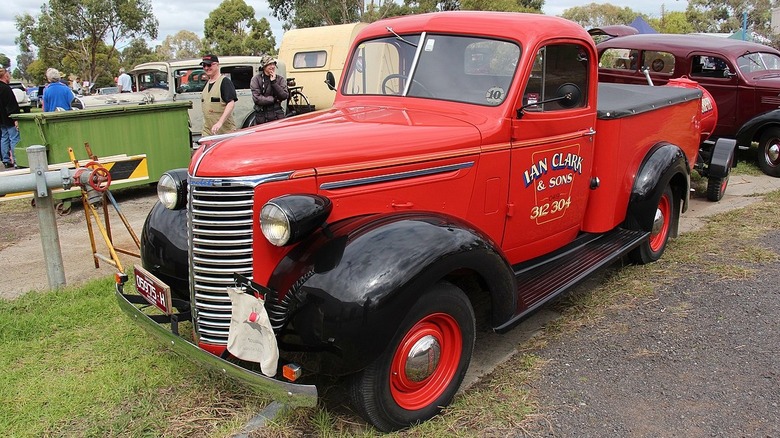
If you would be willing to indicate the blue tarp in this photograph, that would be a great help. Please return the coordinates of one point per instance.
(642, 26)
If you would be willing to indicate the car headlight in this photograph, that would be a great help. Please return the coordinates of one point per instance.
(172, 189)
(289, 218)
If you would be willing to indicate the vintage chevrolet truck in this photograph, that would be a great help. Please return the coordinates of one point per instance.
(471, 168)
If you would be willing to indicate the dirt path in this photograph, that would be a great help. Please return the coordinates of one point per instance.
(22, 263)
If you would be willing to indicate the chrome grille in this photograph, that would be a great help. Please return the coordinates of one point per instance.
(220, 245)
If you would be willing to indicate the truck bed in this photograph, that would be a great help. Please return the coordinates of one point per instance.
(622, 100)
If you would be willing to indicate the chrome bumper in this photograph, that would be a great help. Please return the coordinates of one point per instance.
(291, 394)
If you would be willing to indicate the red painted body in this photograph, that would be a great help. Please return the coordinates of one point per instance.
(523, 182)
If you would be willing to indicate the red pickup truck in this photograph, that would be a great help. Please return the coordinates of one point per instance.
(470, 161)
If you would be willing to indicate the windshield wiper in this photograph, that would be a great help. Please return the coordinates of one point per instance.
(399, 37)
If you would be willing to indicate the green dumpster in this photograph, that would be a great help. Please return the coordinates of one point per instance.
(159, 130)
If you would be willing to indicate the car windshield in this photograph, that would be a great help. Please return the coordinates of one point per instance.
(758, 62)
(458, 68)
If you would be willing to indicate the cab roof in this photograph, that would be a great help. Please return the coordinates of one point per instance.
(519, 26)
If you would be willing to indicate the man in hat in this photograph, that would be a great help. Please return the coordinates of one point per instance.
(269, 90)
(218, 99)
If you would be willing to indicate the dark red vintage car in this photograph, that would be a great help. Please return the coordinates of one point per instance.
(743, 78)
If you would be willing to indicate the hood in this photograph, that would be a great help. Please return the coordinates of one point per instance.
(150, 95)
(337, 137)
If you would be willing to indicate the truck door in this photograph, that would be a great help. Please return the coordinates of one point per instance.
(552, 150)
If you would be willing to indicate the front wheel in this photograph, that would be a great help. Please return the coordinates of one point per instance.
(423, 366)
(769, 152)
(653, 247)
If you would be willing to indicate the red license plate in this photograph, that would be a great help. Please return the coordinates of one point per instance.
(154, 290)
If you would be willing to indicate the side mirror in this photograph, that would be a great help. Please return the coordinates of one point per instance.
(330, 81)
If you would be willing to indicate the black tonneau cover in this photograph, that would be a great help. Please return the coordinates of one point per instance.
(621, 100)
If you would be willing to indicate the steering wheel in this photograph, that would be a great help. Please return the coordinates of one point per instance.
(389, 90)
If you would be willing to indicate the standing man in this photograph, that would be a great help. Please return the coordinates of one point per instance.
(56, 94)
(269, 90)
(217, 99)
(9, 128)
(124, 82)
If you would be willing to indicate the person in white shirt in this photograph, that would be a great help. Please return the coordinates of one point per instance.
(124, 82)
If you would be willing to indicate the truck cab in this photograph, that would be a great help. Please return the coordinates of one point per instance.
(468, 157)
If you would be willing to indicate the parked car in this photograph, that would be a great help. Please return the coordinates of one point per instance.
(743, 78)
(21, 96)
(33, 96)
(182, 80)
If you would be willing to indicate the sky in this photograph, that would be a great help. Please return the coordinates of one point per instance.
(176, 15)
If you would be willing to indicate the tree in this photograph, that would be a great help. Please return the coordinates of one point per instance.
(503, 5)
(312, 13)
(600, 14)
(5, 61)
(726, 15)
(85, 33)
(672, 22)
(137, 52)
(184, 44)
(231, 27)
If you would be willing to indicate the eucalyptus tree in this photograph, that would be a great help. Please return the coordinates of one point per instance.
(232, 29)
(84, 34)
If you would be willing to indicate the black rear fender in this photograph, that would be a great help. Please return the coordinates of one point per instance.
(665, 164)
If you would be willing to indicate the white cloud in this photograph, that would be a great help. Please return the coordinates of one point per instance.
(176, 15)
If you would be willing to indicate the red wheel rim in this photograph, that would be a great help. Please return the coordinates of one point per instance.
(664, 208)
(414, 395)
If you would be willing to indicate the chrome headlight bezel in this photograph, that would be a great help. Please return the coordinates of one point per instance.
(172, 189)
(287, 219)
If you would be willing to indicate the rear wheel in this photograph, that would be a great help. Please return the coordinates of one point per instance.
(422, 368)
(653, 248)
(769, 152)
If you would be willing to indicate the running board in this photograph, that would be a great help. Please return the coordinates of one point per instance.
(549, 276)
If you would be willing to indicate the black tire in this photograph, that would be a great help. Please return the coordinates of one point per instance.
(390, 398)
(716, 188)
(769, 152)
(666, 214)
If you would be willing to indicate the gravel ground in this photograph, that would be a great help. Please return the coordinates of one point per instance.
(699, 359)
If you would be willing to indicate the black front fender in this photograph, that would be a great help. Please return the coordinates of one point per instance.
(372, 273)
(164, 248)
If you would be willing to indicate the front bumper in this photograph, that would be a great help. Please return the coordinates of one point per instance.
(291, 394)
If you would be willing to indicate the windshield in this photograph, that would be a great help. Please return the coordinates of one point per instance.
(152, 79)
(457, 68)
(757, 62)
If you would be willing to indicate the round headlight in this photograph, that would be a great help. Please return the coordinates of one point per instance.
(171, 189)
(275, 224)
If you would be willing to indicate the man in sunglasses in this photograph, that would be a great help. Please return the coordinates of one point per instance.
(217, 100)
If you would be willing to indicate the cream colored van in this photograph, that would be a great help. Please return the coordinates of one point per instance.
(184, 80)
(310, 53)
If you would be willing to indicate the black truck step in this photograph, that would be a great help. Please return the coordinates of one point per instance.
(542, 279)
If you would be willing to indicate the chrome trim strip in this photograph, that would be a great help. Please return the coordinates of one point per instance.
(248, 181)
(394, 176)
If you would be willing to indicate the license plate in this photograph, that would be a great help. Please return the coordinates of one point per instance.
(155, 291)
